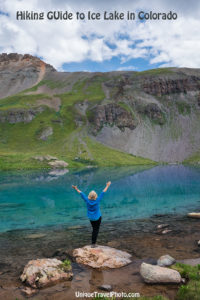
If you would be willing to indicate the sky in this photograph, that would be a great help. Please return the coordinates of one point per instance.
(104, 45)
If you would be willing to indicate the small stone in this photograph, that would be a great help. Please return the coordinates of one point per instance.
(105, 287)
(165, 260)
(161, 226)
(169, 246)
(35, 236)
(166, 231)
(29, 291)
(75, 227)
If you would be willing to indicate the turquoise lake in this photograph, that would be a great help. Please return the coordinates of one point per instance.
(39, 199)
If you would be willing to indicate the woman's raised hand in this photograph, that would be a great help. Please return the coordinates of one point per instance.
(108, 183)
(76, 188)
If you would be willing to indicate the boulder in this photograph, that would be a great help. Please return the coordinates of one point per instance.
(165, 260)
(46, 133)
(45, 272)
(102, 257)
(157, 274)
(58, 164)
(38, 157)
(50, 157)
(194, 215)
(45, 157)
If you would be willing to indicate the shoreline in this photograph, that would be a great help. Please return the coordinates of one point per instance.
(138, 237)
(45, 167)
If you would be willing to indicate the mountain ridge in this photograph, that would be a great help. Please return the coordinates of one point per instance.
(154, 114)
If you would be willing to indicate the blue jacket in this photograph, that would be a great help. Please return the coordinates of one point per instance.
(93, 210)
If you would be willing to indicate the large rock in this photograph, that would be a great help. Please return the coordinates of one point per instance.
(165, 260)
(46, 133)
(58, 164)
(102, 257)
(45, 157)
(157, 274)
(44, 272)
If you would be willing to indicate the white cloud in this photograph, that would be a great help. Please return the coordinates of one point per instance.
(128, 68)
(173, 43)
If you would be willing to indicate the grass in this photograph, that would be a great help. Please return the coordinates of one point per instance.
(20, 142)
(20, 161)
(20, 101)
(90, 115)
(125, 107)
(106, 156)
(193, 159)
(66, 265)
(191, 291)
(183, 108)
(158, 71)
(50, 83)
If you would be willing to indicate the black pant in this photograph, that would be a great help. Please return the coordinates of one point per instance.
(95, 231)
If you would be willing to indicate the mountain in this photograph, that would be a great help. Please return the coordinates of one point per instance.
(114, 118)
(19, 72)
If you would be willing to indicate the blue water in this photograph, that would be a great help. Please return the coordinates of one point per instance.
(37, 199)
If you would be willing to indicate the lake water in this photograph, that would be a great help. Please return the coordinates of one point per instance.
(39, 199)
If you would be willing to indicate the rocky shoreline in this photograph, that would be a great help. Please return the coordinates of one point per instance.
(146, 240)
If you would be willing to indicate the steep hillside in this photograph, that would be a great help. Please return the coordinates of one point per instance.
(19, 72)
(84, 118)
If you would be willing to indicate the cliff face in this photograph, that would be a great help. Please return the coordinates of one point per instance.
(153, 114)
(14, 116)
(165, 117)
(111, 115)
(160, 87)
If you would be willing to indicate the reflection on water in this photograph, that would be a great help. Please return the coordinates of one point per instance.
(36, 199)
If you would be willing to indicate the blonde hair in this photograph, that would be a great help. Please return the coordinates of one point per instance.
(92, 195)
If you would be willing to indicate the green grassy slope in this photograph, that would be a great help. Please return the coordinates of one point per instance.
(20, 141)
(194, 159)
